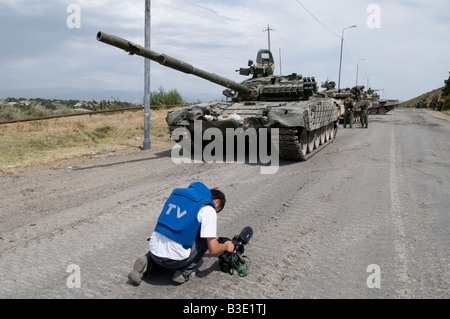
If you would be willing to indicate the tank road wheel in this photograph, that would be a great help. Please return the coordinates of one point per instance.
(381, 110)
(303, 142)
(311, 139)
(317, 138)
(293, 145)
(330, 131)
(322, 135)
(373, 110)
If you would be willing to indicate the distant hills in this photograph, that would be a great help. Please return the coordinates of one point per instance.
(67, 93)
(428, 97)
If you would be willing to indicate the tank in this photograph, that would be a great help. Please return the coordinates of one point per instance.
(377, 105)
(380, 106)
(305, 118)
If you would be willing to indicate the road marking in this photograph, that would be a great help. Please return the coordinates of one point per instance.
(396, 210)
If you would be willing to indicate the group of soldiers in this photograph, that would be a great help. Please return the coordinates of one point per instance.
(423, 104)
(356, 94)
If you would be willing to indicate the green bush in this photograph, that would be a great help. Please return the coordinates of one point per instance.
(161, 97)
(10, 113)
(37, 110)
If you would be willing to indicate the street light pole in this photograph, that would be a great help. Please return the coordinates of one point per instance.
(357, 70)
(147, 143)
(340, 60)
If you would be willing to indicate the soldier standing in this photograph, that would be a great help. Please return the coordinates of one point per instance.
(349, 106)
(364, 113)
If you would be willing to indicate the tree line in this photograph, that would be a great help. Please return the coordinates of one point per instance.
(21, 108)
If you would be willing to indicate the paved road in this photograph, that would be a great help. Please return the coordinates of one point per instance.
(367, 217)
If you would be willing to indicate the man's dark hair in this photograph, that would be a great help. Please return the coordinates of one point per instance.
(217, 194)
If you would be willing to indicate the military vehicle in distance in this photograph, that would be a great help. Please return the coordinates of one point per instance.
(305, 118)
(380, 106)
(377, 105)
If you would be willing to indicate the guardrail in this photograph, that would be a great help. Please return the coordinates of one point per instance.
(89, 113)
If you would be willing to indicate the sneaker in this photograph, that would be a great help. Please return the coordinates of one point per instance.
(139, 269)
(181, 278)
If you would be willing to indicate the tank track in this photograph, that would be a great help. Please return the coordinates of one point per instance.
(289, 145)
(290, 148)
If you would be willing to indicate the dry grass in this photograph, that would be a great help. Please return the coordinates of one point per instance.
(42, 144)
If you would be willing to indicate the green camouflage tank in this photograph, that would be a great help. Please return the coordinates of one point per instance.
(305, 118)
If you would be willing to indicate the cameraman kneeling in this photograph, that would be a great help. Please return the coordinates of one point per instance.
(186, 229)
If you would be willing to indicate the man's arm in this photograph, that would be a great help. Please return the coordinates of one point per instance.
(215, 248)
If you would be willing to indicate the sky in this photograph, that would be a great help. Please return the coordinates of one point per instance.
(400, 47)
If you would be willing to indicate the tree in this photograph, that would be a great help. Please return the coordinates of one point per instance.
(446, 94)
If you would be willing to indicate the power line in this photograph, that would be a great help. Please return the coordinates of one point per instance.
(348, 52)
(331, 31)
(312, 15)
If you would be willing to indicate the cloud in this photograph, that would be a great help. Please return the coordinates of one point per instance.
(406, 56)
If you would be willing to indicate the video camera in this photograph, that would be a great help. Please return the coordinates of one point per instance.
(229, 262)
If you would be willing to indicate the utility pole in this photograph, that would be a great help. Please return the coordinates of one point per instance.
(279, 53)
(268, 34)
(147, 142)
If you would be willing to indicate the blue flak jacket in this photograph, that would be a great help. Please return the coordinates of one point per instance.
(178, 219)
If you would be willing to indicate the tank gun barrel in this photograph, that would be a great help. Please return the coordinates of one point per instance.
(170, 62)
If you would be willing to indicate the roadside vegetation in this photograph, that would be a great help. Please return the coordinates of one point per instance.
(431, 99)
(33, 145)
(21, 108)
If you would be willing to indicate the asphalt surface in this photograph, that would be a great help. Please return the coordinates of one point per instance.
(366, 217)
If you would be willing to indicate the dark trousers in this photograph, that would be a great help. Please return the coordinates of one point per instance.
(186, 266)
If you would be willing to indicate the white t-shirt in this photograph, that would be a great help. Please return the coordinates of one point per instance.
(164, 247)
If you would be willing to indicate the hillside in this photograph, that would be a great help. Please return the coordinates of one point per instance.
(429, 97)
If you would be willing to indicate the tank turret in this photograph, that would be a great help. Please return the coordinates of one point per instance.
(262, 87)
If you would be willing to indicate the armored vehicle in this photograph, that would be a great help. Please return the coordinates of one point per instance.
(382, 106)
(305, 119)
(377, 105)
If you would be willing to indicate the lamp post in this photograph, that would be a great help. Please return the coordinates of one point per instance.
(357, 70)
(340, 61)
